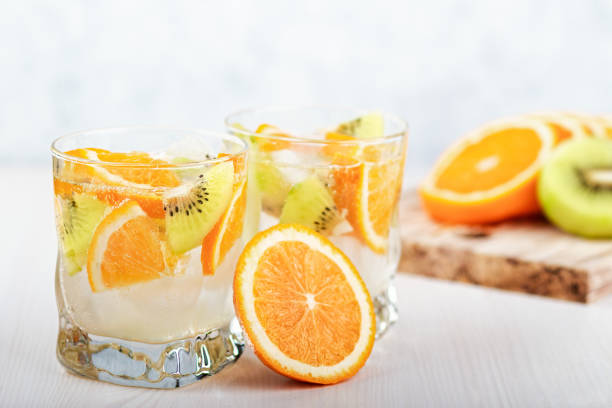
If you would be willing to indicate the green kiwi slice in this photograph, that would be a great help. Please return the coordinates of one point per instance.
(310, 203)
(272, 186)
(368, 126)
(575, 187)
(80, 214)
(193, 209)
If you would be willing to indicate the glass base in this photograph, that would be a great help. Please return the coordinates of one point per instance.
(131, 363)
(385, 309)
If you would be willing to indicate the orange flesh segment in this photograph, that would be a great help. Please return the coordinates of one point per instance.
(304, 303)
(234, 217)
(492, 161)
(270, 145)
(148, 174)
(561, 133)
(382, 195)
(133, 254)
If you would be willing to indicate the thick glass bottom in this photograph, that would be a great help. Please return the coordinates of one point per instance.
(131, 363)
(385, 309)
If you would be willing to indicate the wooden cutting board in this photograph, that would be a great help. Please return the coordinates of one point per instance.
(528, 255)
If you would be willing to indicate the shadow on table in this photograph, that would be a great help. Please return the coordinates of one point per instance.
(250, 373)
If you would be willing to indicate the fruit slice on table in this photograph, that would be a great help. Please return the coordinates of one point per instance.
(591, 124)
(303, 305)
(78, 216)
(225, 233)
(310, 203)
(193, 209)
(575, 188)
(605, 126)
(369, 193)
(564, 126)
(115, 184)
(489, 175)
(126, 249)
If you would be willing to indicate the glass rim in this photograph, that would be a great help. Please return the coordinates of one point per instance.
(55, 152)
(389, 138)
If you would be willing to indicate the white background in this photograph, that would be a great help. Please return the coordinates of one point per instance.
(445, 66)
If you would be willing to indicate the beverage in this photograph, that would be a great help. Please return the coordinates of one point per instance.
(337, 172)
(150, 224)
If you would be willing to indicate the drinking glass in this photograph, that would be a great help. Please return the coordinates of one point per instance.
(150, 225)
(305, 168)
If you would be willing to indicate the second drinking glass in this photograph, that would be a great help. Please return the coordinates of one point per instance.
(337, 171)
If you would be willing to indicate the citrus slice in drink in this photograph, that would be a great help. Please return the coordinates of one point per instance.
(126, 248)
(303, 305)
(369, 192)
(490, 175)
(135, 177)
(277, 142)
(225, 233)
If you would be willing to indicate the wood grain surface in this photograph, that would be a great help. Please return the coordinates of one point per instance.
(528, 256)
(455, 345)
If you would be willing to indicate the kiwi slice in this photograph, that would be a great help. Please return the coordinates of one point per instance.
(368, 126)
(193, 209)
(80, 214)
(187, 173)
(272, 186)
(575, 187)
(310, 203)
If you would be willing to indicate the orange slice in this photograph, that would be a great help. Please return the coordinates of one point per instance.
(592, 125)
(564, 126)
(225, 233)
(270, 145)
(303, 305)
(115, 184)
(369, 192)
(343, 149)
(125, 249)
(490, 174)
(608, 125)
(605, 125)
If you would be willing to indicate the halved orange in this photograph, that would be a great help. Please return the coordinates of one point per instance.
(225, 233)
(369, 192)
(490, 174)
(303, 305)
(115, 184)
(126, 248)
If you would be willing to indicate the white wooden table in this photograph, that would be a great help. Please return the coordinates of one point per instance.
(455, 345)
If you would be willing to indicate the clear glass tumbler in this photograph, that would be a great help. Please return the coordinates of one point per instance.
(150, 225)
(337, 171)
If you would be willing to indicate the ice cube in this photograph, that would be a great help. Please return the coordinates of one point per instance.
(188, 148)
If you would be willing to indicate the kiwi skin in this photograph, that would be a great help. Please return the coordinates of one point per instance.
(310, 203)
(567, 193)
